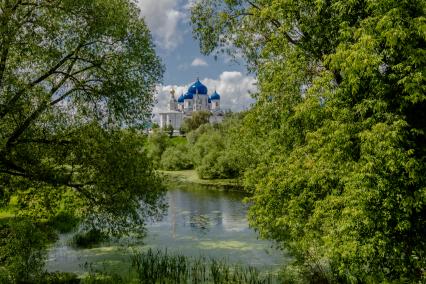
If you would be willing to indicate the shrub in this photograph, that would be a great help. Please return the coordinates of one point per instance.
(156, 145)
(64, 222)
(207, 169)
(22, 250)
(197, 119)
(60, 278)
(209, 142)
(193, 136)
(89, 239)
(176, 158)
(227, 165)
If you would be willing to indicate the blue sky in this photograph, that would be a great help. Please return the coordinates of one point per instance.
(169, 22)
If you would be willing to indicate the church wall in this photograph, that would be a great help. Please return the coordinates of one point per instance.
(201, 103)
(188, 104)
(163, 120)
(175, 120)
(215, 104)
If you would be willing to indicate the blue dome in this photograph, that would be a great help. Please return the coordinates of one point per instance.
(197, 87)
(181, 99)
(188, 96)
(215, 96)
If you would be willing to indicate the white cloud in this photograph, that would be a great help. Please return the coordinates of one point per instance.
(163, 17)
(233, 87)
(198, 62)
(163, 96)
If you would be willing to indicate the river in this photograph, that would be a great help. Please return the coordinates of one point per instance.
(198, 222)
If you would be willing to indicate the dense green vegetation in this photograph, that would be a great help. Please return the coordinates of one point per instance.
(333, 152)
(335, 147)
(197, 119)
(210, 149)
(23, 244)
(76, 85)
(66, 93)
(89, 238)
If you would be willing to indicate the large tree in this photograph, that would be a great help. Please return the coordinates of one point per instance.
(337, 137)
(76, 77)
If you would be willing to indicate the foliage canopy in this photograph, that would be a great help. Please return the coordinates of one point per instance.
(73, 74)
(197, 119)
(338, 134)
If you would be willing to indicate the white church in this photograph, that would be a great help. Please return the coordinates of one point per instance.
(196, 99)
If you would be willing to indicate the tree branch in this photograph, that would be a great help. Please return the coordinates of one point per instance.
(8, 106)
(12, 173)
(20, 130)
(253, 5)
(275, 22)
(79, 187)
(43, 141)
(5, 42)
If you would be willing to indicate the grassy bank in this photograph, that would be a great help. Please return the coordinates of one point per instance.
(8, 211)
(5, 215)
(190, 176)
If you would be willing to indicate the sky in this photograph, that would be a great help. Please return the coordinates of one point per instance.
(169, 22)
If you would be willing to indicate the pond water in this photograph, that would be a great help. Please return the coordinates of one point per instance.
(199, 222)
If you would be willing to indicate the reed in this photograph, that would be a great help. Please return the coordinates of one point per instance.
(161, 267)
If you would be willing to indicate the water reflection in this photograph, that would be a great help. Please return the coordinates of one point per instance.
(201, 210)
(198, 221)
(211, 223)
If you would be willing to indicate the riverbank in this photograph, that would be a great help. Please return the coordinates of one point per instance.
(190, 176)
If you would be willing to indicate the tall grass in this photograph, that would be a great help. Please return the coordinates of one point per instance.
(161, 267)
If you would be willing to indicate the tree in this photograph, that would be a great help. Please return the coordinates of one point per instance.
(176, 158)
(338, 131)
(197, 119)
(23, 251)
(157, 143)
(73, 74)
(170, 130)
(216, 149)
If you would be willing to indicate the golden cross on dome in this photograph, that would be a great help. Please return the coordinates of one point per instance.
(172, 93)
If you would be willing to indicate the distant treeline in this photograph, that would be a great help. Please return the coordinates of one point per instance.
(211, 149)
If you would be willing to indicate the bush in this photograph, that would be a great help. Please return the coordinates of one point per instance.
(89, 239)
(209, 142)
(22, 251)
(197, 119)
(227, 165)
(207, 169)
(60, 278)
(156, 145)
(176, 158)
(64, 222)
(193, 136)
